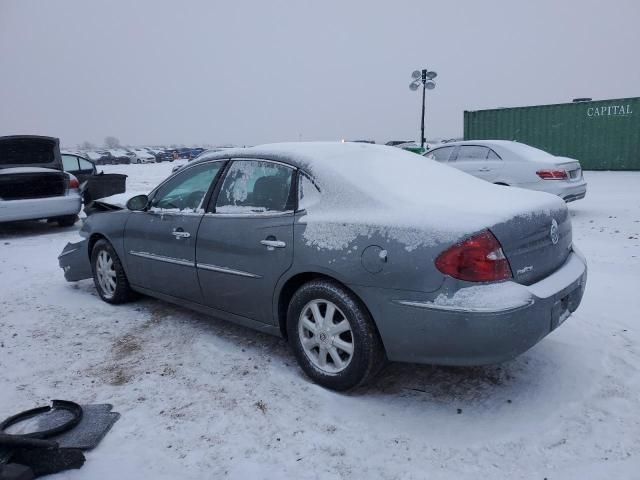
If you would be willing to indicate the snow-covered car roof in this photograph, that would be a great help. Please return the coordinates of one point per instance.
(93, 155)
(118, 152)
(365, 184)
(517, 149)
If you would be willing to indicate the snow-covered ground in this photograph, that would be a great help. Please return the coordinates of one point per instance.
(201, 398)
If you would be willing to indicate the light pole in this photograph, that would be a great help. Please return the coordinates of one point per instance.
(425, 77)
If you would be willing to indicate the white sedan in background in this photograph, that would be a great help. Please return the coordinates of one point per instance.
(514, 164)
(142, 156)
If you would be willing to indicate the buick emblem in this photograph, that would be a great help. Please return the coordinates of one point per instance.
(553, 232)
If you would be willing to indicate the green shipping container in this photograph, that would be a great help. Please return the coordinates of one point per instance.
(602, 135)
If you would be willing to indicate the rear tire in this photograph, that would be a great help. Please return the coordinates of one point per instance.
(333, 336)
(108, 274)
(67, 220)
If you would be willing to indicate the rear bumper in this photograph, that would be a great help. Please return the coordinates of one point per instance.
(37, 208)
(74, 261)
(417, 330)
(567, 190)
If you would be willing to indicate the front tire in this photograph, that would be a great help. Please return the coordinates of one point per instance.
(108, 274)
(333, 336)
(67, 220)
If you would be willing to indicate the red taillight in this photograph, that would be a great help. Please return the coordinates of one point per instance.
(552, 174)
(73, 182)
(477, 259)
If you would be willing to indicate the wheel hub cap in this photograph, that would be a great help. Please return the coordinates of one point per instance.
(326, 336)
(106, 274)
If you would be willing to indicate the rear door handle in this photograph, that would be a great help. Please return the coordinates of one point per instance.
(484, 169)
(271, 244)
(180, 233)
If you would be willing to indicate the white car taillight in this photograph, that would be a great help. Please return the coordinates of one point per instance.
(552, 174)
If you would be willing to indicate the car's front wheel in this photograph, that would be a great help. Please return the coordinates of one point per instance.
(333, 336)
(108, 274)
(67, 220)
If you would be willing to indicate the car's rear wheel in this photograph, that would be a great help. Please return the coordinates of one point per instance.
(108, 274)
(67, 220)
(333, 336)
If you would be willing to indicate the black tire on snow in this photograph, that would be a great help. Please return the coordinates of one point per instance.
(368, 355)
(67, 220)
(123, 292)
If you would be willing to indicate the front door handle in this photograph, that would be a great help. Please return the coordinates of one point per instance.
(271, 244)
(484, 169)
(180, 233)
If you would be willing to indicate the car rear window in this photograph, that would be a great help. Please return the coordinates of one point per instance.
(440, 154)
(25, 151)
(472, 152)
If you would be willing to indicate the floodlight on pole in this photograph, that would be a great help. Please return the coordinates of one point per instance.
(425, 77)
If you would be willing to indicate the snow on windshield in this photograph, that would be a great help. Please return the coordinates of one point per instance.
(402, 195)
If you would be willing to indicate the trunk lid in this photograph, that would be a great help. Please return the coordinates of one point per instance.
(31, 167)
(536, 242)
(30, 151)
(573, 168)
(29, 182)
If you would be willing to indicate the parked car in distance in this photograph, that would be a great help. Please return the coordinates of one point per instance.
(413, 147)
(181, 164)
(33, 184)
(99, 157)
(408, 145)
(354, 253)
(142, 156)
(514, 164)
(196, 151)
(165, 156)
(189, 153)
(119, 156)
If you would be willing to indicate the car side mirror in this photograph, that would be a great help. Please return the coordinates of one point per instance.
(138, 203)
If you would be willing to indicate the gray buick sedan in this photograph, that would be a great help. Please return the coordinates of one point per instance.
(355, 253)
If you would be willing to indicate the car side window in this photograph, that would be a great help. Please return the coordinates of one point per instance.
(308, 192)
(493, 155)
(85, 165)
(255, 186)
(185, 191)
(472, 152)
(70, 163)
(440, 154)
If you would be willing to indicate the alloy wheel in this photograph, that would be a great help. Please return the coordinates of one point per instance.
(326, 336)
(106, 274)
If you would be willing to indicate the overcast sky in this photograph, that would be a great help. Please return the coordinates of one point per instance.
(247, 72)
